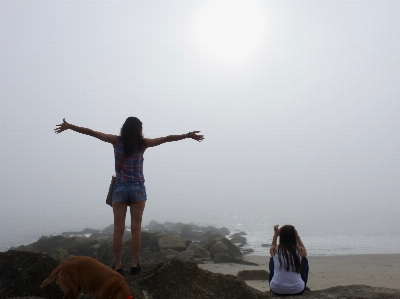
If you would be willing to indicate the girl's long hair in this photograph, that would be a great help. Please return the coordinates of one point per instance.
(288, 249)
(132, 136)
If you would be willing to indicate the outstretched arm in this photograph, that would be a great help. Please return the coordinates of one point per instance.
(150, 142)
(103, 137)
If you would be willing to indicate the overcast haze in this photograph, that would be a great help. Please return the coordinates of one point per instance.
(298, 102)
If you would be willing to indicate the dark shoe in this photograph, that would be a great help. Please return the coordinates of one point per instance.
(117, 270)
(136, 270)
(307, 289)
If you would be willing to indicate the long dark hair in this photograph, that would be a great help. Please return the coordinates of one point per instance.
(132, 136)
(288, 249)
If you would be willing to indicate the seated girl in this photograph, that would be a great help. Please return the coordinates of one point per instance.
(288, 265)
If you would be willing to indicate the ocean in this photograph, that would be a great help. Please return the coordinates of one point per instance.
(259, 236)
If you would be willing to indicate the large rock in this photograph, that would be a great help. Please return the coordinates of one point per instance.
(61, 247)
(199, 251)
(210, 236)
(172, 242)
(224, 231)
(188, 233)
(177, 279)
(347, 292)
(238, 239)
(234, 250)
(253, 275)
(21, 274)
(220, 247)
(222, 258)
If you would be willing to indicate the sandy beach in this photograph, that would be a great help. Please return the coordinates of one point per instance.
(375, 270)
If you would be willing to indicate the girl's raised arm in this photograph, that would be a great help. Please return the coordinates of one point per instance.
(150, 142)
(103, 137)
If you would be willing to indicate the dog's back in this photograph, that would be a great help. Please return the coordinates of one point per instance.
(82, 274)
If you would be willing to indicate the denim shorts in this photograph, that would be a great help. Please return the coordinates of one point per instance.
(128, 193)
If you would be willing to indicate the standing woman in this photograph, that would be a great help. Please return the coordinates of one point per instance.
(288, 265)
(129, 190)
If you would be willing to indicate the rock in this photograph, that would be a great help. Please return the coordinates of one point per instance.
(86, 231)
(153, 225)
(168, 252)
(266, 245)
(150, 239)
(177, 279)
(253, 275)
(172, 242)
(22, 272)
(146, 258)
(210, 236)
(220, 247)
(199, 251)
(109, 229)
(189, 234)
(224, 231)
(60, 247)
(186, 256)
(239, 240)
(232, 248)
(221, 258)
(347, 292)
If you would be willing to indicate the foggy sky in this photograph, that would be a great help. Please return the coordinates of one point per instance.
(304, 129)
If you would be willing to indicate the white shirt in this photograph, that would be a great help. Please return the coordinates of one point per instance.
(285, 282)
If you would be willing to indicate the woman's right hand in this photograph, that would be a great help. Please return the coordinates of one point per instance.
(62, 127)
(276, 230)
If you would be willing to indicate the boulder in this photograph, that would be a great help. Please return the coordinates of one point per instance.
(199, 251)
(178, 279)
(347, 292)
(153, 225)
(172, 242)
(220, 247)
(223, 231)
(232, 248)
(239, 240)
(54, 245)
(210, 236)
(22, 272)
(168, 252)
(253, 275)
(221, 258)
(188, 233)
(186, 256)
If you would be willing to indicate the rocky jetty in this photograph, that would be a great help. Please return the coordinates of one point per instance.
(22, 272)
(160, 243)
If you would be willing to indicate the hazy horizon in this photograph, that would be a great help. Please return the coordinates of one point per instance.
(298, 102)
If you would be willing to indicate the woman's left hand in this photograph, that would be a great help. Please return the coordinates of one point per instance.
(196, 137)
(276, 230)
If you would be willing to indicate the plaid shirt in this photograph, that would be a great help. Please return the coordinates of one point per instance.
(132, 170)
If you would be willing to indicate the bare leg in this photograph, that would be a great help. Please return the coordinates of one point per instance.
(119, 210)
(137, 209)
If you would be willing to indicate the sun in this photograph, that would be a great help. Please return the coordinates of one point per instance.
(230, 31)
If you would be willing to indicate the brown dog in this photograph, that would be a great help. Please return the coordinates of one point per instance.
(82, 274)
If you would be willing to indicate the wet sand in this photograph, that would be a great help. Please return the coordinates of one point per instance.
(375, 270)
